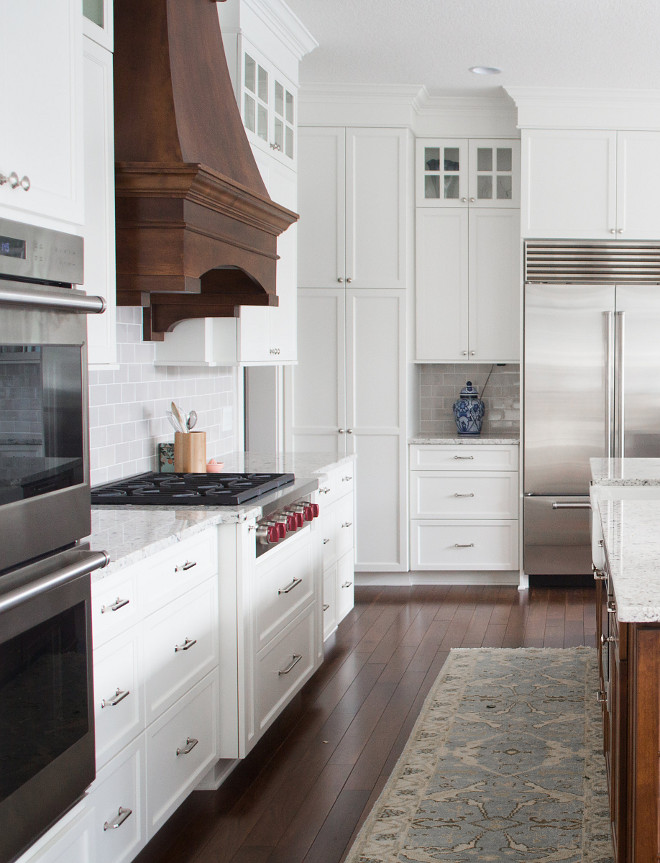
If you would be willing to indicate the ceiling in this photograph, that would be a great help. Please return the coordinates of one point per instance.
(536, 43)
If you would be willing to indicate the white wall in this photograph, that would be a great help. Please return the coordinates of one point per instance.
(127, 405)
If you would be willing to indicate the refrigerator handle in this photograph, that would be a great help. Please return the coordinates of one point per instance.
(609, 394)
(620, 444)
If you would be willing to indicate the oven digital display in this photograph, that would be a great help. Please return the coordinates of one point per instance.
(10, 247)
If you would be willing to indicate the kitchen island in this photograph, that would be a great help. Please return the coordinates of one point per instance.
(625, 495)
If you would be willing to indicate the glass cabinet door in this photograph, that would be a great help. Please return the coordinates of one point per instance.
(268, 107)
(97, 22)
(442, 173)
(494, 173)
(284, 123)
(255, 97)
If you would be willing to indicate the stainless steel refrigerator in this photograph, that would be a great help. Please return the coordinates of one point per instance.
(591, 389)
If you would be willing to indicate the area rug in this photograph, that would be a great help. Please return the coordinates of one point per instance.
(505, 763)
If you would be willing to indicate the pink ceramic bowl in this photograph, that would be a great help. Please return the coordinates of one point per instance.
(214, 466)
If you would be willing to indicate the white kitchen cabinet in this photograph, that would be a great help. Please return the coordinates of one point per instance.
(337, 529)
(464, 508)
(41, 143)
(467, 173)
(99, 231)
(467, 285)
(98, 22)
(348, 396)
(590, 184)
(69, 841)
(353, 205)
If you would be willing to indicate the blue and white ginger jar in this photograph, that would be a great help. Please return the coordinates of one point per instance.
(469, 410)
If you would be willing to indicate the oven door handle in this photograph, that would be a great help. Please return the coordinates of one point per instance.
(91, 561)
(27, 295)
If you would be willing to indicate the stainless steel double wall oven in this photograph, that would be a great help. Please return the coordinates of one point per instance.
(46, 694)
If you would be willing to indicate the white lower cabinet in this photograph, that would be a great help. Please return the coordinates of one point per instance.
(464, 504)
(337, 530)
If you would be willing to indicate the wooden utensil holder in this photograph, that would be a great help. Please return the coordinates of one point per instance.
(190, 452)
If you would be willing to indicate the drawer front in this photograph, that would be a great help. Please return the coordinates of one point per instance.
(464, 457)
(115, 605)
(285, 584)
(177, 569)
(329, 528)
(464, 545)
(118, 694)
(284, 666)
(329, 601)
(335, 483)
(175, 762)
(345, 586)
(180, 646)
(449, 494)
(345, 526)
(118, 798)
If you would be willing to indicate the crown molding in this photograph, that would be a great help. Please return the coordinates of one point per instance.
(472, 116)
(586, 108)
(280, 20)
(357, 104)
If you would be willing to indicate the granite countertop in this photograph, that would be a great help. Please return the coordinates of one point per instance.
(632, 543)
(486, 438)
(625, 471)
(132, 533)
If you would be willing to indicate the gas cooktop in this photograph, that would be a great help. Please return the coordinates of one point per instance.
(200, 489)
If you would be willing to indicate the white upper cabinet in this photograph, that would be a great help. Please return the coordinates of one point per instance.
(464, 173)
(586, 184)
(41, 149)
(98, 23)
(468, 285)
(353, 205)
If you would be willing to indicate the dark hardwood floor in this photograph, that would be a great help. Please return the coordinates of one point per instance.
(302, 794)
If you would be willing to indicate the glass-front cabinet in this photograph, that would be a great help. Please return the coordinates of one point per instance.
(97, 22)
(463, 173)
(268, 105)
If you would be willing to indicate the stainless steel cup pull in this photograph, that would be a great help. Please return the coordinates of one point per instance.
(185, 566)
(114, 700)
(463, 458)
(468, 494)
(191, 742)
(116, 605)
(289, 587)
(122, 815)
(187, 644)
(294, 661)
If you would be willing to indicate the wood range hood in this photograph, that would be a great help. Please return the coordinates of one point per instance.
(196, 229)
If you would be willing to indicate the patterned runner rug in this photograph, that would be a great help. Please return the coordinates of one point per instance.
(505, 763)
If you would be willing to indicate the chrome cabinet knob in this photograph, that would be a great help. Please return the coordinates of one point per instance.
(349, 281)
(464, 200)
(340, 280)
(612, 231)
(472, 200)
(341, 431)
(619, 230)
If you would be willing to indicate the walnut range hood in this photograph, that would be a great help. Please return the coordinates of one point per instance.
(196, 229)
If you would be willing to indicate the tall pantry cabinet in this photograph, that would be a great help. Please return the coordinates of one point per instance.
(348, 392)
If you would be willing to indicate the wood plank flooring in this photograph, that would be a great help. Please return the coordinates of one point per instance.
(302, 794)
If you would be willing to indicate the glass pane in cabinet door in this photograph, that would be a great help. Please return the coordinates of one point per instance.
(504, 188)
(431, 158)
(431, 187)
(250, 74)
(288, 133)
(452, 159)
(484, 159)
(279, 99)
(93, 11)
(279, 135)
(504, 159)
(262, 82)
(289, 107)
(249, 113)
(485, 187)
(451, 186)
(262, 122)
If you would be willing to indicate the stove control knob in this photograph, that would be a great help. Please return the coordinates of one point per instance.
(273, 533)
(300, 518)
(291, 522)
(281, 528)
(315, 510)
(307, 512)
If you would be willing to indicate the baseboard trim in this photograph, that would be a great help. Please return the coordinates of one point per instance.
(404, 579)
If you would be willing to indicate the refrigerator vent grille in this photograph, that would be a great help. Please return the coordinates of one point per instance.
(592, 262)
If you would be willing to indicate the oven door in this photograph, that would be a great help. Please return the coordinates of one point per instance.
(44, 471)
(46, 697)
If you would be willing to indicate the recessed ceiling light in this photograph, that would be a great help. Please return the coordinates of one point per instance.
(485, 70)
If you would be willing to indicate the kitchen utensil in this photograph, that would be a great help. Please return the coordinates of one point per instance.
(191, 420)
(176, 425)
(179, 418)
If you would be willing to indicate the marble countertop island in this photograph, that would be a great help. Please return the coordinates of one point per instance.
(132, 533)
(626, 501)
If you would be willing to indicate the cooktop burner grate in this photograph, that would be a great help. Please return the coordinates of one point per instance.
(201, 489)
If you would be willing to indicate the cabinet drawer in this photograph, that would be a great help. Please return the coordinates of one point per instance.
(284, 666)
(181, 747)
(464, 545)
(118, 694)
(458, 494)
(345, 526)
(180, 647)
(464, 457)
(115, 605)
(329, 601)
(335, 483)
(175, 570)
(118, 798)
(285, 584)
(345, 585)
(329, 527)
